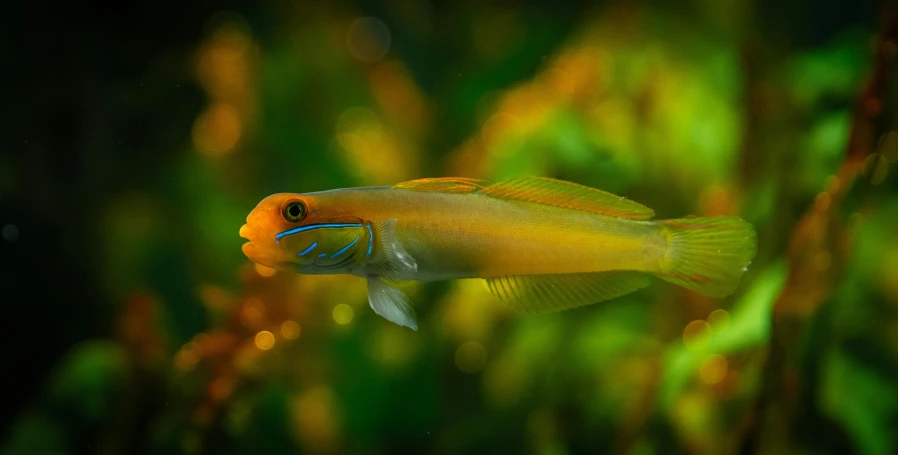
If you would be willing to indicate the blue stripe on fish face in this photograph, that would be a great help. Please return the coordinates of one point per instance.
(370, 240)
(310, 248)
(310, 227)
(343, 250)
(322, 255)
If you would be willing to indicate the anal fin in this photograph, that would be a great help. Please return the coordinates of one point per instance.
(536, 294)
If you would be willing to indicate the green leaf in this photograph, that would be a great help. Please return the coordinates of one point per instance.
(749, 327)
(88, 381)
(862, 400)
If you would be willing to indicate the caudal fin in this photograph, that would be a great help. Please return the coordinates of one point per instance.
(708, 255)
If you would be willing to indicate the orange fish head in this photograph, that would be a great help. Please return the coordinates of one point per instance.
(294, 232)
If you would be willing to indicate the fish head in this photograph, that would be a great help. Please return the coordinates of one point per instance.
(296, 232)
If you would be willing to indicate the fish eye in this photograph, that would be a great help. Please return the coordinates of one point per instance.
(294, 211)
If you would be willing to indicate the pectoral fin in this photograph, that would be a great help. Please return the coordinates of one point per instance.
(536, 294)
(391, 260)
(391, 303)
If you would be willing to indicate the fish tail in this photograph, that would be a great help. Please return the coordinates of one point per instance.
(708, 255)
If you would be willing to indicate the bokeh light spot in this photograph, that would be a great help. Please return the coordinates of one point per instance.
(188, 356)
(888, 146)
(401, 98)
(316, 416)
(696, 335)
(290, 330)
(368, 39)
(715, 200)
(718, 320)
(252, 313)
(264, 340)
(876, 167)
(343, 313)
(221, 388)
(222, 64)
(822, 201)
(265, 271)
(214, 297)
(246, 358)
(470, 357)
(217, 130)
(11, 233)
(713, 369)
(371, 150)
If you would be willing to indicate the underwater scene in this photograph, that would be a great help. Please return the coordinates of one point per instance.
(417, 227)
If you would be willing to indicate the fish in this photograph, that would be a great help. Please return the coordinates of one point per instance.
(541, 245)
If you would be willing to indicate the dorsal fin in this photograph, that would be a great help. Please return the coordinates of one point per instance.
(443, 185)
(571, 195)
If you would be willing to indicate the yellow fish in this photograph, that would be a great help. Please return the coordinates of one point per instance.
(541, 244)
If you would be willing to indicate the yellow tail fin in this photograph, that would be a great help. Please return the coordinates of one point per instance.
(708, 255)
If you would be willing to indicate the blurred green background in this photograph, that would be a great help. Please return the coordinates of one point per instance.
(138, 136)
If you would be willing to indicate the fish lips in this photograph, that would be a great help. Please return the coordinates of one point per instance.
(259, 253)
(246, 234)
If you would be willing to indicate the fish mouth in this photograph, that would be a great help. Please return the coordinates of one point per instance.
(244, 232)
(247, 249)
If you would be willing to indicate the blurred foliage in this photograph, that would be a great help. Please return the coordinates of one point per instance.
(172, 342)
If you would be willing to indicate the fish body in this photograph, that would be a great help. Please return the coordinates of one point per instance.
(460, 235)
(541, 244)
